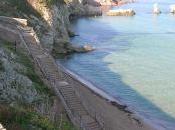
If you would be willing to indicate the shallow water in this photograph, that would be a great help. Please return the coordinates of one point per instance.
(134, 60)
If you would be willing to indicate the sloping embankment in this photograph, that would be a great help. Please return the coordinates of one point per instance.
(86, 108)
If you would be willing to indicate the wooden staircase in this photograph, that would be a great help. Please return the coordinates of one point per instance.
(65, 89)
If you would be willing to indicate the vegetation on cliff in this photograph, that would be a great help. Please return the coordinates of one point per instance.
(16, 8)
(26, 102)
(50, 20)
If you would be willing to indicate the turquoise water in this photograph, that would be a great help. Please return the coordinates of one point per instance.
(134, 59)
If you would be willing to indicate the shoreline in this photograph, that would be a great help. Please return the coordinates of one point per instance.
(102, 111)
(108, 98)
(91, 86)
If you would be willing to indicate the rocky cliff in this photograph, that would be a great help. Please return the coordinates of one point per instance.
(56, 22)
(26, 102)
(51, 19)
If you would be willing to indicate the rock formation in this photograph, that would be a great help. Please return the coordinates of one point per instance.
(121, 12)
(172, 9)
(51, 18)
(156, 9)
(54, 30)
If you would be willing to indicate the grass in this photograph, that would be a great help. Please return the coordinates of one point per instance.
(24, 117)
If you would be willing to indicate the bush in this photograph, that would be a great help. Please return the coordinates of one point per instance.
(24, 120)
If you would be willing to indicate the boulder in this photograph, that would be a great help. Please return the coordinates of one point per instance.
(82, 49)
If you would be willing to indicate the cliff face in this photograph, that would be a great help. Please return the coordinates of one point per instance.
(84, 8)
(54, 28)
(51, 19)
(26, 100)
(54, 24)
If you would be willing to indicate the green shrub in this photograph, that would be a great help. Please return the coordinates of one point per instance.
(24, 59)
(24, 119)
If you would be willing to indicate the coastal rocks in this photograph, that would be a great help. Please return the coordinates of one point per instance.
(83, 49)
(172, 9)
(92, 11)
(72, 34)
(121, 12)
(61, 46)
(156, 9)
(114, 2)
(52, 22)
(54, 30)
(94, 3)
(65, 47)
(122, 2)
(107, 2)
(83, 10)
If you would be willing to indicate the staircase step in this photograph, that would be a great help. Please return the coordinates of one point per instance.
(50, 69)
